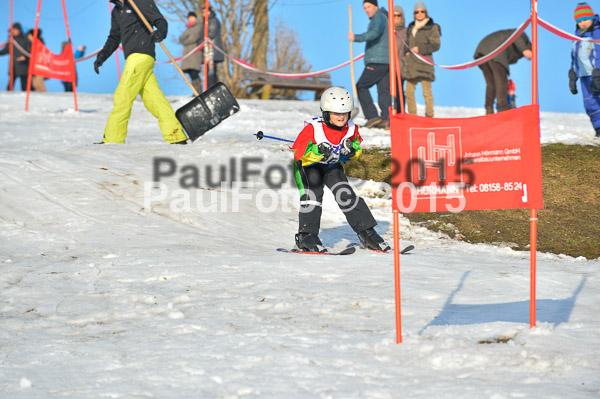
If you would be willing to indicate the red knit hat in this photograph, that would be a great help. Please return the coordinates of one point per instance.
(583, 11)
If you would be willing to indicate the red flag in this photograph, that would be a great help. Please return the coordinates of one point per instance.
(50, 65)
(486, 162)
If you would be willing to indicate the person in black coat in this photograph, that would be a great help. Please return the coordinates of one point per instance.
(20, 61)
(496, 71)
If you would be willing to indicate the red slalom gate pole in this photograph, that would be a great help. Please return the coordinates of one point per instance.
(533, 218)
(397, 278)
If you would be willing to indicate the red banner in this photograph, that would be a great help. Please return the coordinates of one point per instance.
(50, 65)
(486, 162)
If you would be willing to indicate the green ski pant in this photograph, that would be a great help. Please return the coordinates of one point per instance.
(138, 78)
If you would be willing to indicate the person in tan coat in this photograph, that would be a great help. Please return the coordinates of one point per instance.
(423, 37)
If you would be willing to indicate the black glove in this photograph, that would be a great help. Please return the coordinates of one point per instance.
(595, 86)
(572, 81)
(329, 156)
(99, 61)
(160, 33)
(347, 149)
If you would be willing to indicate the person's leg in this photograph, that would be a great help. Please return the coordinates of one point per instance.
(310, 185)
(490, 88)
(366, 81)
(195, 78)
(383, 90)
(591, 103)
(355, 209)
(135, 73)
(212, 77)
(22, 80)
(500, 76)
(428, 96)
(38, 83)
(158, 105)
(411, 102)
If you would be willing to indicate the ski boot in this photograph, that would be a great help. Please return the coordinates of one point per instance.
(371, 240)
(309, 242)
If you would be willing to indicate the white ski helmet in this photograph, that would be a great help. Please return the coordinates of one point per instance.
(338, 100)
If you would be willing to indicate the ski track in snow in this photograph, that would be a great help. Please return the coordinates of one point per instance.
(104, 296)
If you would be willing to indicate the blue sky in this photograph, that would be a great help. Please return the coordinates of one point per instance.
(322, 27)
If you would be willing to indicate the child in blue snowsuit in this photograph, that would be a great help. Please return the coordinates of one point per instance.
(585, 63)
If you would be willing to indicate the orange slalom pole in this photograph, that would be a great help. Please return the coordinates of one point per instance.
(11, 50)
(397, 277)
(533, 218)
(392, 58)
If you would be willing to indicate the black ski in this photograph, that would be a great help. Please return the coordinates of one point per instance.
(346, 251)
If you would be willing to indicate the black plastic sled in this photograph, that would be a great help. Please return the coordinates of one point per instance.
(207, 110)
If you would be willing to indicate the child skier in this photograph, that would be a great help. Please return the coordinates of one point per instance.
(320, 148)
(585, 63)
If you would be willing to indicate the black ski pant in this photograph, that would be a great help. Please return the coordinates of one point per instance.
(22, 78)
(312, 181)
(375, 74)
(496, 86)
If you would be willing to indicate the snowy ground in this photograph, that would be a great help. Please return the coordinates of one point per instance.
(108, 292)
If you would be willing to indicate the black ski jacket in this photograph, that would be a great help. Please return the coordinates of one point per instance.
(127, 28)
(20, 67)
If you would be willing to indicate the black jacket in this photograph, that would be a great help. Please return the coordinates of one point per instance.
(511, 55)
(21, 68)
(127, 28)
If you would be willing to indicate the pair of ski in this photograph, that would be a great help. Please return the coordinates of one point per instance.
(346, 251)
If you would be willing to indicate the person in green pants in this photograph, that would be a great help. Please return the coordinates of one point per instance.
(138, 75)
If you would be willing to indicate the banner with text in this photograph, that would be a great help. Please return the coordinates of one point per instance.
(53, 66)
(485, 162)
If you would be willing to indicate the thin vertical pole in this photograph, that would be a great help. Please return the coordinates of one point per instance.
(74, 81)
(392, 57)
(397, 278)
(11, 50)
(207, 46)
(533, 218)
(33, 54)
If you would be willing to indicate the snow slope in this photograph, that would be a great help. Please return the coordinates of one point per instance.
(108, 291)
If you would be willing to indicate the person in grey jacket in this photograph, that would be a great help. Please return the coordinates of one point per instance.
(495, 71)
(377, 68)
(191, 38)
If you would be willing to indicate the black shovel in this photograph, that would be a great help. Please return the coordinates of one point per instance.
(206, 110)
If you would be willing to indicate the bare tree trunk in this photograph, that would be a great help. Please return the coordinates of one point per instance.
(260, 35)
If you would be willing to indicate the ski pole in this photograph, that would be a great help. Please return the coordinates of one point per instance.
(260, 135)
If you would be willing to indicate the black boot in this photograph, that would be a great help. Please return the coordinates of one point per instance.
(371, 240)
(309, 242)
(598, 132)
